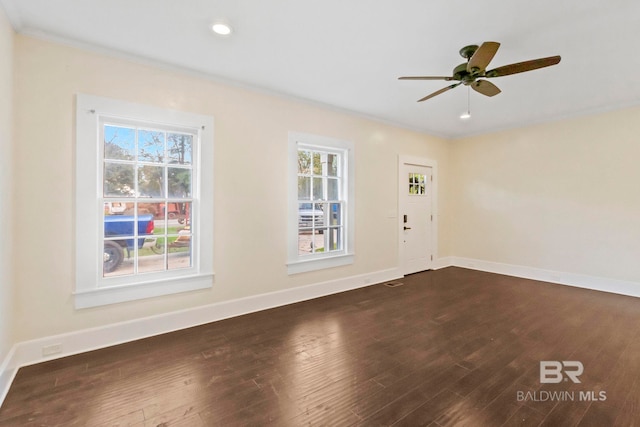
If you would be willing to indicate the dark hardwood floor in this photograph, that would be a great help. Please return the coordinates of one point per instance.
(452, 347)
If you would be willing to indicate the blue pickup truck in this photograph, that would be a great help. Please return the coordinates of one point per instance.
(122, 226)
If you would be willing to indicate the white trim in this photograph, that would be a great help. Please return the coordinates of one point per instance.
(30, 352)
(140, 290)
(443, 262)
(298, 264)
(603, 284)
(90, 288)
(419, 161)
(304, 266)
(7, 374)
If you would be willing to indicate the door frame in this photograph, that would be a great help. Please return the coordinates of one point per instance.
(402, 188)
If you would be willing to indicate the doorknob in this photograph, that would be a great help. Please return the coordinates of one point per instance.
(407, 228)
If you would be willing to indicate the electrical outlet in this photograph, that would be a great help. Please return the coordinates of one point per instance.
(51, 349)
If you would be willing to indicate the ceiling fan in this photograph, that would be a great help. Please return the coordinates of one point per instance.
(474, 70)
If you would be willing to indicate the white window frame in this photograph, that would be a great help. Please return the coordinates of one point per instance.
(297, 263)
(91, 289)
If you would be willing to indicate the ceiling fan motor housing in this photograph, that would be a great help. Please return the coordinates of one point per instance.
(461, 74)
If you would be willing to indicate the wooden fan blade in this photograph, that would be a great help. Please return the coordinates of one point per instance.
(521, 67)
(438, 92)
(482, 57)
(426, 78)
(485, 87)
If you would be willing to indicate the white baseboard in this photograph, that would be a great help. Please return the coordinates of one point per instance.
(7, 374)
(30, 352)
(603, 284)
(443, 262)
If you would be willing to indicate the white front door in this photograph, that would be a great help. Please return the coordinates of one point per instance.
(416, 217)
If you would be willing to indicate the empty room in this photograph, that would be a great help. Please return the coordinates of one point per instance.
(329, 213)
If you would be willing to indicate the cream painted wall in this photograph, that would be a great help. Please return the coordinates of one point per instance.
(6, 186)
(559, 196)
(250, 137)
(562, 196)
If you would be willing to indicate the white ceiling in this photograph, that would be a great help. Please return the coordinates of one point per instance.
(349, 53)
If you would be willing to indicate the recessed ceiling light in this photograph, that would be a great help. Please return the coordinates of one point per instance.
(221, 28)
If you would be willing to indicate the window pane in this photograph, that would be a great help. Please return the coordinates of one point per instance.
(118, 180)
(333, 189)
(114, 259)
(305, 239)
(304, 188)
(151, 181)
(146, 224)
(317, 164)
(179, 182)
(185, 215)
(150, 146)
(319, 215)
(150, 255)
(310, 215)
(332, 164)
(179, 249)
(154, 209)
(319, 220)
(157, 241)
(119, 143)
(318, 191)
(417, 184)
(118, 225)
(318, 241)
(334, 237)
(179, 148)
(335, 215)
(309, 242)
(117, 208)
(304, 162)
(159, 225)
(178, 213)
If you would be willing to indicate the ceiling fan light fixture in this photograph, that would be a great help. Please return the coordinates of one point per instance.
(221, 28)
(466, 115)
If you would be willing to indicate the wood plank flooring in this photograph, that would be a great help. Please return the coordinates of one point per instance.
(452, 347)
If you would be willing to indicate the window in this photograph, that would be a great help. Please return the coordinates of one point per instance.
(417, 184)
(321, 203)
(142, 227)
(146, 179)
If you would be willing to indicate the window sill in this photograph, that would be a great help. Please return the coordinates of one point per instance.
(303, 266)
(136, 291)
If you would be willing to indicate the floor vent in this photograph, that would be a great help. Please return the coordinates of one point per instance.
(394, 284)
